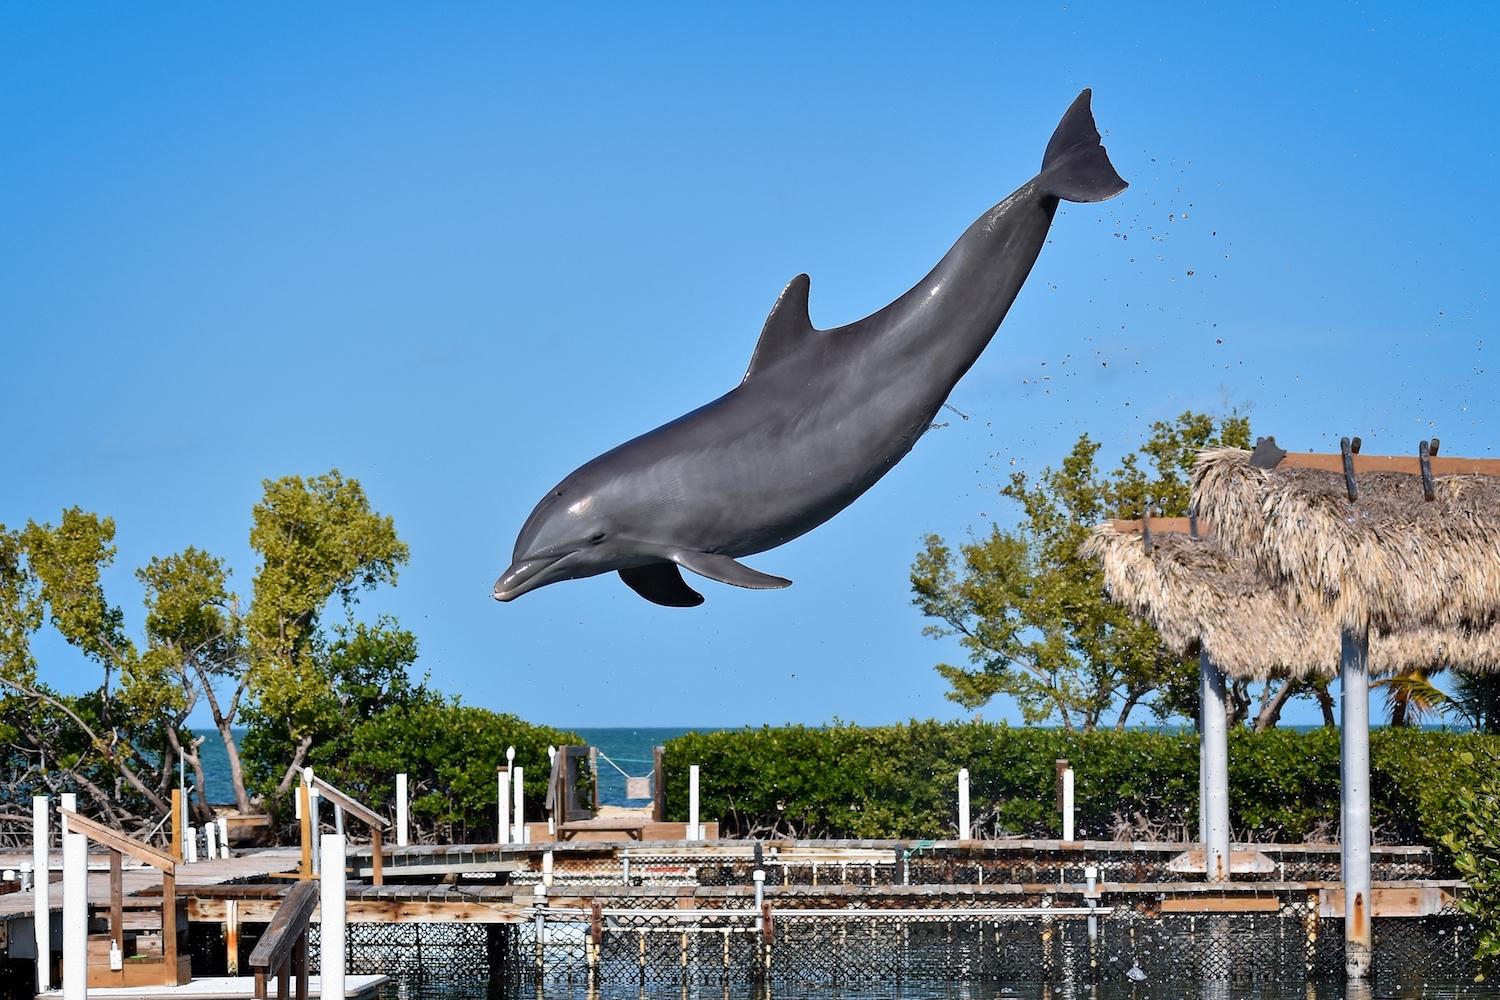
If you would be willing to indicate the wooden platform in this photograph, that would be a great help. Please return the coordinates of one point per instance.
(221, 988)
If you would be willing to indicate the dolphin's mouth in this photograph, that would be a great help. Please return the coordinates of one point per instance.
(526, 575)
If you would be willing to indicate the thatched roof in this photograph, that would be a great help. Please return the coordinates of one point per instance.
(1390, 559)
(1197, 596)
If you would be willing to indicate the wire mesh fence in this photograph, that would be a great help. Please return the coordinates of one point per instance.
(810, 948)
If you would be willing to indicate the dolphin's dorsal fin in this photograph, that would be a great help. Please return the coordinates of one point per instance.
(726, 570)
(661, 583)
(786, 327)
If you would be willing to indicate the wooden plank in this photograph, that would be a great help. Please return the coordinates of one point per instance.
(452, 868)
(1392, 901)
(1161, 526)
(1405, 464)
(169, 927)
(116, 901)
(101, 834)
(177, 824)
(1221, 904)
(361, 811)
(376, 877)
(275, 946)
(307, 832)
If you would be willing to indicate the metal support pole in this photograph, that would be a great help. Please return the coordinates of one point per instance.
(75, 916)
(1215, 773)
(41, 877)
(313, 819)
(964, 828)
(1355, 838)
(332, 908)
(401, 809)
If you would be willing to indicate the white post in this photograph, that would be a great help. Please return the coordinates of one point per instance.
(41, 908)
(401, 809)
(1215, 769)
(223, 837)
(1067, 809)
(1355, 838)
(502, 780)
(69, 801)
(964, 830)
(518, 779)
(211, 839)
(75, 916)
(551, 769)
(190, 845)
(331, 904)
(547, 868)
(694, 832)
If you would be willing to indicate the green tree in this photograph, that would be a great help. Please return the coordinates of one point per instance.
(1031, 613)
(318, 539)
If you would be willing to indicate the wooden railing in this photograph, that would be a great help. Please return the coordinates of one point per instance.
(282, 950)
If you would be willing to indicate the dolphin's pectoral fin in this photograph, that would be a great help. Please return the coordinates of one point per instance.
(726, 570)
(661, 583)
(786, 327)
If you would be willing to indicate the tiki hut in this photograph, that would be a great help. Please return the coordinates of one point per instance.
(1204, 602)
(1374, 544)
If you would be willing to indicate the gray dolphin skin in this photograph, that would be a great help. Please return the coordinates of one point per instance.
(820, 416)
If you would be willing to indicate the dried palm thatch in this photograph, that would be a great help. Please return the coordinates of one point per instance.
(1390, 560)
(1198, 597)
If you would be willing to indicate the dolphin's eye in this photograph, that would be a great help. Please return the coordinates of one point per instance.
(597, 537)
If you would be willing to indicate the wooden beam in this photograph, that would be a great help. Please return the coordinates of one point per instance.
(177, 824)
(116, 901)
(305, 801)
(1409, 465)
(101, 834)
(376, 861)
(1221, 904)
(361, 811)
(169, 927)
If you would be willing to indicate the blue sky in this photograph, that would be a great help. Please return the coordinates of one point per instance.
(456, 250)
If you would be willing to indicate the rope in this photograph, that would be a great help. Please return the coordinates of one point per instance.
(604, 756)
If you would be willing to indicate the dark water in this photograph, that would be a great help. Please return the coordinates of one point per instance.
(630, 748)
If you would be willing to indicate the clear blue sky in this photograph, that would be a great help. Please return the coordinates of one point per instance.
(455, 250)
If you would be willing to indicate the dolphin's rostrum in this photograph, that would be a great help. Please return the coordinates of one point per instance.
(820, 416)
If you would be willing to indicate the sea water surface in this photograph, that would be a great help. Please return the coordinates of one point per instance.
(628, 747)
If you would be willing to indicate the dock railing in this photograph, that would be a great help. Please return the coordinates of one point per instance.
(282, 950)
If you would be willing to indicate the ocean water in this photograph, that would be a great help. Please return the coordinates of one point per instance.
(629, 748)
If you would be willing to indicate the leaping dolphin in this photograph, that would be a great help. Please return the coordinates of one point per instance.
(820, 416)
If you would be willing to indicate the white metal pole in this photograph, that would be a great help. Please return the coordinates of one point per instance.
(211, 839)
(1355, 736)
(964, 830)
(41, 877)
(331, 904)
(1215, 748)
(694, 832)
(338, 819)
(223, 837)
(519, 780)
(190, 845)
(502, 780)
(401, 809)
(1067, 808)
(551, 770)
(75, 916)
(68, 801)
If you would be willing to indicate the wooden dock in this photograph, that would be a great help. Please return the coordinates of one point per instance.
(222, 988)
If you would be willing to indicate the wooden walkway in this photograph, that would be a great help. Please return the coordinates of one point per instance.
(249, 865)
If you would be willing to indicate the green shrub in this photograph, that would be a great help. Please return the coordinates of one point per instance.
(900, 781)
(1473, 838)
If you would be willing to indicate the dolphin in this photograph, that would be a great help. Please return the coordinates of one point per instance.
(820, 416)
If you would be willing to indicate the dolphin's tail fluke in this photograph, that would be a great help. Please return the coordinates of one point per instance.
(1075, 166)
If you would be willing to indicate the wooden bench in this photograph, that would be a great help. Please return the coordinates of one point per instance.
(631, 826)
